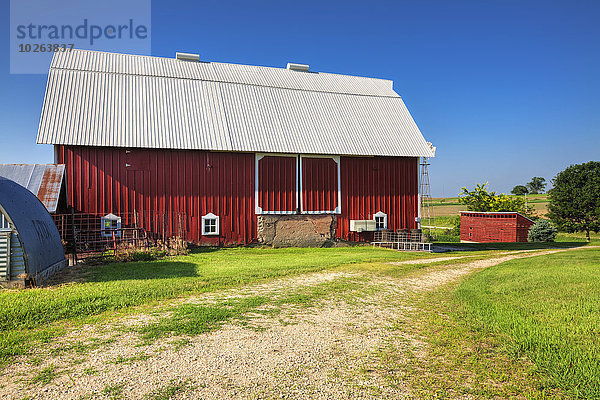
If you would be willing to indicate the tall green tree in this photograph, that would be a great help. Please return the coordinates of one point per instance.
(519, 190)
(537, 185)
(481, 200)
(574, 200)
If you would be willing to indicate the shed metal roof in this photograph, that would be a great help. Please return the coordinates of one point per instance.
(107, 99)
(43, 180)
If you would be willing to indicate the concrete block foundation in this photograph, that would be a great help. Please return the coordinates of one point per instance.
(296, 230)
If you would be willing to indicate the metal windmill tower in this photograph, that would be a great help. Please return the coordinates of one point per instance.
(427, 213)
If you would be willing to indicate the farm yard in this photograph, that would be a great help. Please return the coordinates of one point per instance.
(243, 208)
(508, 321)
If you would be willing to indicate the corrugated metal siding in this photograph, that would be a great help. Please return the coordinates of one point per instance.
(194, 183)
(372, 184)
(277, 184)
(43, 180)
(319, 184)
(253, 109)
(5, 255)
(17, 257)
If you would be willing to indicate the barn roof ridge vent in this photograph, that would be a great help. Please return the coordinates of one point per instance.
(187, 56)
(297, 67)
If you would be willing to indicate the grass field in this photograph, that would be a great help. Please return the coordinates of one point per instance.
(546, 309)
(449, 206)
(526, 329)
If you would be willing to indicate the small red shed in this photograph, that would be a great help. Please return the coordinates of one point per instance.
(486, 227)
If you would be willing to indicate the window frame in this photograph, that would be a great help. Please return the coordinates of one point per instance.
(210, 217)
(299, 190)
(381, 214)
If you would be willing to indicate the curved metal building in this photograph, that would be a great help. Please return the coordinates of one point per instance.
(30, 246)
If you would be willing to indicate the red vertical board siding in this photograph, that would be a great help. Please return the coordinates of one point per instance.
(277, 183)
(319, 184)
(372, 184)
(159, 183)
(101, 180)
(487, 228)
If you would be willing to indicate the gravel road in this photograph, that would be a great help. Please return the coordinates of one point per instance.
(322, 351)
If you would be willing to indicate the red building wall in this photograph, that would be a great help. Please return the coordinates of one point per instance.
(101, 180)
(372, 184)
(494, 227)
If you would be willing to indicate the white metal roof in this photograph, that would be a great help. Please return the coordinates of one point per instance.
(106, 99)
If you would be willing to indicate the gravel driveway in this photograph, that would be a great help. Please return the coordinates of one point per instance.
(326, 350)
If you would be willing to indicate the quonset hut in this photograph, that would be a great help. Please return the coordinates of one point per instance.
(30, 246)
(282, 156)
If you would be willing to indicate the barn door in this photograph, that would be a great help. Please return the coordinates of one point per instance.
(136, 182)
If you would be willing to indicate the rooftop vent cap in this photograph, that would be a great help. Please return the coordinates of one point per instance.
(297, 67)
(187, 56)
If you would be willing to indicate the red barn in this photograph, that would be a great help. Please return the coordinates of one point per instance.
(485, 227)
(282, 156)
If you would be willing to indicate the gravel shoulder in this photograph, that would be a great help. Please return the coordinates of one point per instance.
(322, 350)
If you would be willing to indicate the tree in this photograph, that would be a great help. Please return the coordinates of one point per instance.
(574, 201)
(541, 231)
(482, 200)
(537, 185)
(519, 190)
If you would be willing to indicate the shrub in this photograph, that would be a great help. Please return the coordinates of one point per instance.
(481, 200)
(455, 231)
(542, 231)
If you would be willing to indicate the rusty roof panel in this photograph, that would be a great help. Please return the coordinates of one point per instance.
(43, 180)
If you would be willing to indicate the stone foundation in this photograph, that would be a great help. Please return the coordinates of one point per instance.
(296, 230)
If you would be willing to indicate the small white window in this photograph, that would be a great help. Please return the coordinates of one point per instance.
(380, 220)
(210, 224)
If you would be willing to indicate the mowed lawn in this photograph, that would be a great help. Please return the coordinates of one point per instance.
(547, 309)
(27, 316)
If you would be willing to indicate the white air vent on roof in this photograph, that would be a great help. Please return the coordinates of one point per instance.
(187, 56)
(297, 67)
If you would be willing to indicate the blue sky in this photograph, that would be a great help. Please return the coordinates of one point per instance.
(506, 90)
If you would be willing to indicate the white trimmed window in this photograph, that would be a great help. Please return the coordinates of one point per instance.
(210, 224)
(380, 220)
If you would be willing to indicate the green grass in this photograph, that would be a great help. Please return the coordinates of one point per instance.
(195, 319)
(113, 391)
(38, 315)
(544, 308)
(443, 220)
(460, 361)
(45, 376)
(171, 390)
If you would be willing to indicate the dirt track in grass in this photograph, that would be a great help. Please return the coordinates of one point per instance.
(326, 349)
